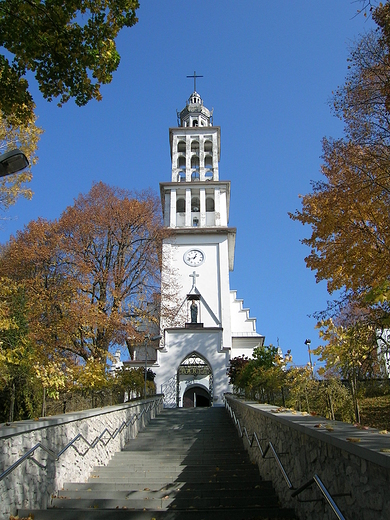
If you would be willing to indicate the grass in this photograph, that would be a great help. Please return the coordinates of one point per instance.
(375, 412)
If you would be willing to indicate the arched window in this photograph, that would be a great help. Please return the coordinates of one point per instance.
(209, 204)
(208, 176)
(195, 122)
(195, 162)
(195, 146)
(181, 162)
(195, 176)
(208, 162)
(181, 176)
(208, 146)
(180, 206)
(195, 204)
(181, 146)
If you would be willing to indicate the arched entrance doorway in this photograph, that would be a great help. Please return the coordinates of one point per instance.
(196, 396)
(194, 382)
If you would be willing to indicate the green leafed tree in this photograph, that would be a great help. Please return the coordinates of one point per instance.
(260, 376)
(22, 133)
(67, 44)
(350, 352)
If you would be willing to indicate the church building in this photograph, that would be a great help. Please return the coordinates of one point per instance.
(203, 324)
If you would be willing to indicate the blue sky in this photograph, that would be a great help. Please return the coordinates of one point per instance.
(268, 69)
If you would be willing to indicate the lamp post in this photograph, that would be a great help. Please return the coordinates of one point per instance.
(308, 343)
(147, 340)
(12, 162)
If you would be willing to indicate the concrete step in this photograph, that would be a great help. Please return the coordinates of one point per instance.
(185, 449)
(144, 481)
(185, 457)
(166, 502)
(200, 488)
(177, 463)
(120, 472)
(203, 491)
(125, 514)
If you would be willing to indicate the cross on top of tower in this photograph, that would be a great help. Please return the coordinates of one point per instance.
(194, 76)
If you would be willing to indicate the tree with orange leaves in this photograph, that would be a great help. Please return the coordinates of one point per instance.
(348, 210)
(91, 276)
(349, 214)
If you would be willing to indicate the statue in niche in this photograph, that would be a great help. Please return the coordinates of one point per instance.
(194, 312)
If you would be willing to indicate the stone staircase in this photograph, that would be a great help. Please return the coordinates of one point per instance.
(187, 464)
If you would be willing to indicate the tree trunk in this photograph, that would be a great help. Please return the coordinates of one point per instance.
(331, 407)
(12, 403)
(355, 400)
(307, 400)
(44, 402)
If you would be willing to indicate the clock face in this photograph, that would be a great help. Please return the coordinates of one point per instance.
(194, 257)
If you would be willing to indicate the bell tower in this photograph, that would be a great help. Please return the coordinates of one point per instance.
(199, 199)
(206, 325)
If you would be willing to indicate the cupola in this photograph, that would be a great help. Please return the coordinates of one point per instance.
(195, 113)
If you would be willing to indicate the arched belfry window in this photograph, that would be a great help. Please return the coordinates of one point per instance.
(180, 206)
(195, 204)
(210, 204)
(194, 162)
(181, 176)
(181, 146)
(208, 176)
(208, 146)
(181, 162)
(195, 122)
(195, 146)
(208, 162)
(195, 176)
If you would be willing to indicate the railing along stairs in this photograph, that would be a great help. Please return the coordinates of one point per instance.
(105, 437)
(254, 441)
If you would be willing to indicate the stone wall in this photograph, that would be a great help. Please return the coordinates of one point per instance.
(348, 461)
(31, 486)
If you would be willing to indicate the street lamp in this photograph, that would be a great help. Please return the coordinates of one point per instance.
(308, 343)
(12, 162)
(147, 340)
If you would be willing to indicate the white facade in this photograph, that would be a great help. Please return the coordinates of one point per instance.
(207, 325)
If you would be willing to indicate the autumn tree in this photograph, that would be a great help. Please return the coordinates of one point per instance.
(350, 352)
(348, 210)
(90, 276)
(68, 45)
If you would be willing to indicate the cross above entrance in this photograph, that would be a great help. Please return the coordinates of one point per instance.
(194, 76)
(194, 276)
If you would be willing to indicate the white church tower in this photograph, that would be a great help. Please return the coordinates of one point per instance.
(208, 326)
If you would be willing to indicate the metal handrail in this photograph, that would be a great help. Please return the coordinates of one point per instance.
(314, 480)
(90, 445)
